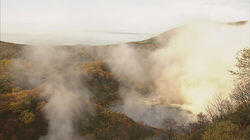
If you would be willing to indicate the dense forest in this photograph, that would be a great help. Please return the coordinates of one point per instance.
(23, 100)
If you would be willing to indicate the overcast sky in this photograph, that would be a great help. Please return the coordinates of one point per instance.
(97, 21)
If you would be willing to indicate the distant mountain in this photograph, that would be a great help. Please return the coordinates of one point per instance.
(153, 42)
(163, 38)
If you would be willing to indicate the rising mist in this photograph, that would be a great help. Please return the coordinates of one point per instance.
(180, 76)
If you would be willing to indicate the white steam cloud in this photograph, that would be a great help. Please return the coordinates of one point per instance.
(186, 72)
(195, 64)
(180, 76)
(62, 87)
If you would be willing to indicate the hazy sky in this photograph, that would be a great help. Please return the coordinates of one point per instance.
(95, 21)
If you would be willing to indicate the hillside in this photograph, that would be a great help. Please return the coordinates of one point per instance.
(129, 91)
(21, 103)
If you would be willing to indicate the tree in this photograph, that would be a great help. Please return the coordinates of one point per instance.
(224, 130)
(202, 119)
(241, 92)
(27, 117)
(229, 116)
(170, 125)
(219, 108)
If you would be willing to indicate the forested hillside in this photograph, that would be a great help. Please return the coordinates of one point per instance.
(22, 102)
(150, 89)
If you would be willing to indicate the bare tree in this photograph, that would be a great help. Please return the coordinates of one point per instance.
(202, 119)
(170, 125)
(241, 92)
(219, 108)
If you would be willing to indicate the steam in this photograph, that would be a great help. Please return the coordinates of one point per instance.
(178, 78)
(65, 104)
(62, 85)
(127, 63)
(186, 72)
(141, 110)
(194, 67)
